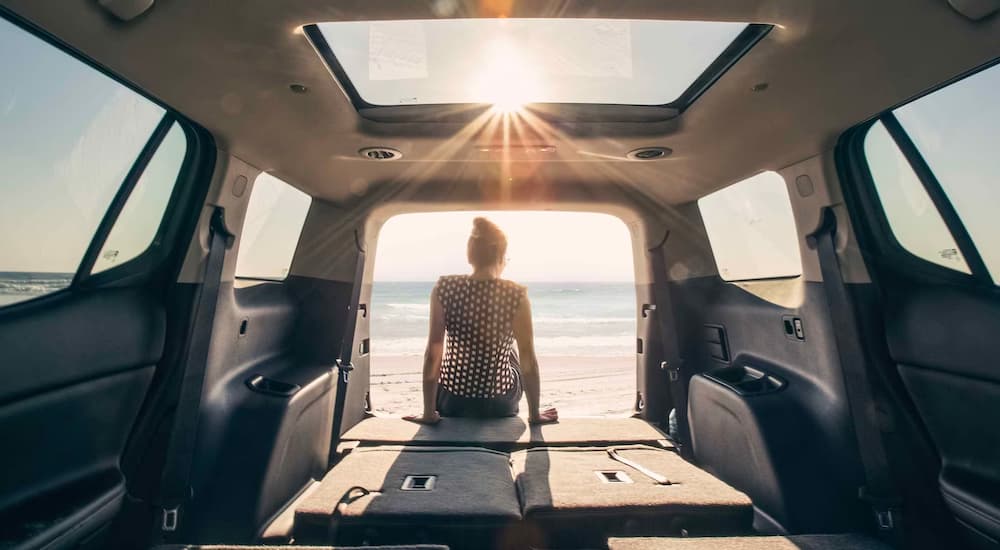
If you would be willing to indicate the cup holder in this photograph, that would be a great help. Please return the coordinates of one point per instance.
(746, 380)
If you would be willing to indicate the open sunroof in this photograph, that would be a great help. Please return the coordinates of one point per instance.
(512, 62)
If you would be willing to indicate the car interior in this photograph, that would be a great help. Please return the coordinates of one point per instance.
(810, 188)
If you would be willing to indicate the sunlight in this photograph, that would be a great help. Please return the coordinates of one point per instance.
(508, 79)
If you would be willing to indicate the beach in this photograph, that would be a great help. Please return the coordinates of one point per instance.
(577, 386)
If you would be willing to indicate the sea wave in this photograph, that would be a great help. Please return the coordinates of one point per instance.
(33, 286)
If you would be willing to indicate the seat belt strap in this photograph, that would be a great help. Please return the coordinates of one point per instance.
(660, 479)
(175, 487)
(878, 490)
(672, 362)
(344, 365)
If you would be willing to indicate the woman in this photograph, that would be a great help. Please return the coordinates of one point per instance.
(478, 374)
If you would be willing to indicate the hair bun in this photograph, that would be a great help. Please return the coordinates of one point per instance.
(484, 228)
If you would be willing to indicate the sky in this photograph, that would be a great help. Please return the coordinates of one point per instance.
(542, 246)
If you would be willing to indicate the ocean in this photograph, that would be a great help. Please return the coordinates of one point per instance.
(18, 286)
(570, 319)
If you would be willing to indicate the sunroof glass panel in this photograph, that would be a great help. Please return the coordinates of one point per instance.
(507, 61)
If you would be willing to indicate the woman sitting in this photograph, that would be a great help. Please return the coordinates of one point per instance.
(478, 373)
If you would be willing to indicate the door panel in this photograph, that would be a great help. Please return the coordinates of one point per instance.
(934, 263)
(792, 449)
(103, 188)
(78, 367)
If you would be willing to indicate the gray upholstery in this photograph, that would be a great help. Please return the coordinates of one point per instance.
(563, 480)
(505, 432)
(473, 486)
(800, 542)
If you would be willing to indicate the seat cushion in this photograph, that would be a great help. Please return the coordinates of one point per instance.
(567, 497)
(800, 542)
(473, 487)
(565, 479)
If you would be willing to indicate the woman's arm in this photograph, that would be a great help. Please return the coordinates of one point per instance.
(525, 334)
(432, 363)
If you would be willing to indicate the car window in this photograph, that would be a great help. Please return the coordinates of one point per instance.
(954, 131)
(915, 222)
(140, 219)
(751, 229)
(271, 229)
(68, 136)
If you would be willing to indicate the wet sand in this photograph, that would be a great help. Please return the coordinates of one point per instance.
(577, 386)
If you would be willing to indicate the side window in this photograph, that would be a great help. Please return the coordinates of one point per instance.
(914, 221)
(751, 229)
(271, 229)
(69, 135)
(953, 131)
(140, 219)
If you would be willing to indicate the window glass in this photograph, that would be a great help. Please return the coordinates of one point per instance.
(515, 61)
(139, 220)
(271, 229)
(956, 131)
(751, 229)
(68, 137)
(914, 220)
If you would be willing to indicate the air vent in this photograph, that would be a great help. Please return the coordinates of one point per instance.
(649, 153)
(380, 153)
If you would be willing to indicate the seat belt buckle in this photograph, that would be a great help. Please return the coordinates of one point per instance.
(886, 510)
(170, 519)
(673, 373)
(885, 519)
(344, 369)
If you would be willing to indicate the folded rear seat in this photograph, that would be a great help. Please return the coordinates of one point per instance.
(799, 542)
(238, 547)
(461, 496)
(578, 496)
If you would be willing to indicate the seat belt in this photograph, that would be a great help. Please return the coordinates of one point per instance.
(175, 489)
(658, 478)
(878, 490)
(344, 365)
(672, 362)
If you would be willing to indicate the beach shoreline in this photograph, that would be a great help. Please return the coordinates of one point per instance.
(576, 385)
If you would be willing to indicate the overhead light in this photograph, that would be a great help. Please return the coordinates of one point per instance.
(649, 153)
(380, 153)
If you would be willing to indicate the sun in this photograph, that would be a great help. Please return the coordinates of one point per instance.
(507, 80)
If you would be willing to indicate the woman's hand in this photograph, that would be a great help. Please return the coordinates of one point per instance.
(427, 419)
(547, 416)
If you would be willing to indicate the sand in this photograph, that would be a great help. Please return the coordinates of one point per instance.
(577, 386)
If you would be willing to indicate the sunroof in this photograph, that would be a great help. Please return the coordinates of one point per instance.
(510, 62)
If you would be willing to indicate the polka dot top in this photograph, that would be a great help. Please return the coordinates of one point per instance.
(479, 323)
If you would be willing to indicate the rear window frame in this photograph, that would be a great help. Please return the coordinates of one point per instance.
(873, 229)
(190, 187)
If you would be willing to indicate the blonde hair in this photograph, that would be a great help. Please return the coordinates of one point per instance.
(487, 244)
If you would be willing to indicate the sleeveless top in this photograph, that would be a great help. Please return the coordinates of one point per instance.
(479, 324)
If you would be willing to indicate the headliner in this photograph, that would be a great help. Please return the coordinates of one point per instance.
(228, 66)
